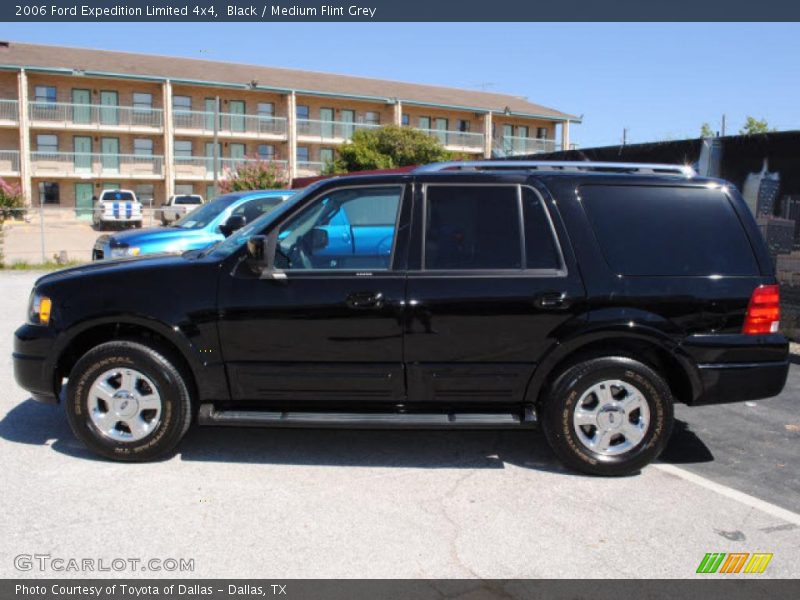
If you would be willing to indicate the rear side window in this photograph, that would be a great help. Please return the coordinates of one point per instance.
(472, 227)
(668, 231)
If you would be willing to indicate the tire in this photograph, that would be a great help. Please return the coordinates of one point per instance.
(141, 421)
(608, 416)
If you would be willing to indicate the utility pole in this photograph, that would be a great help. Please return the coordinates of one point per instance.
(624, 136)
(215, 153)
(723, 125)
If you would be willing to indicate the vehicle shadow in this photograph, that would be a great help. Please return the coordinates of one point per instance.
(37, 424)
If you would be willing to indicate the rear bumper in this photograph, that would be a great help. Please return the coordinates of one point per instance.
(734, 368)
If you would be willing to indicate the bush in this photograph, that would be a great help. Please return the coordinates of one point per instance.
(254, 175)
(12, 203)
(387, 147)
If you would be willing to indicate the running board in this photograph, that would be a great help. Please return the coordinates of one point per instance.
(208, 415)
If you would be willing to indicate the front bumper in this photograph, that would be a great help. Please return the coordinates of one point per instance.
(32, 369)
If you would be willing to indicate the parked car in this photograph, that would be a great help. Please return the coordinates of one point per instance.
(117, 207)
(587, 298)
(178, 206)
(208, 224)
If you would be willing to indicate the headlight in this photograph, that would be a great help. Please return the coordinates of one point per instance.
(121, 252)
(39, 309)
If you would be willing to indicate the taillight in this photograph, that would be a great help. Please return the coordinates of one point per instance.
(764, 311)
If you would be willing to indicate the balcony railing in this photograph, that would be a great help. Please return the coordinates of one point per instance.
(310, 166)
(9, 161)
(202, 167)
(80, 164)
(519, 146)
(456, 139)
(229, 123)
(94, 116)
(330, 130)
(8, 110)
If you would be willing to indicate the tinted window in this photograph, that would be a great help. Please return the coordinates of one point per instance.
(668, 231)
(348, 229)
(188, 200)
(540, 246)
(252, 209)
(114, 195)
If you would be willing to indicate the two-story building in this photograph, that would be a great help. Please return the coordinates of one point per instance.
(74, 121)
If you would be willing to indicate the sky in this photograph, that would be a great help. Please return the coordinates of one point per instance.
(659, 81)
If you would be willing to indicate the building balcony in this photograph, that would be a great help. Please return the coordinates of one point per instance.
(92, 165)
(9, 163)
(457, 141)
(201, 168)
(522, 146)
(307, 168)
(192, 122)
(9, 114)
(328, 132)
(63, 115)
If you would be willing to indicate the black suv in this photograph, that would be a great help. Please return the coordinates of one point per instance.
(588, 297)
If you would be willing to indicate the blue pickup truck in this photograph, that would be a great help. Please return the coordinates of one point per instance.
(206, 225)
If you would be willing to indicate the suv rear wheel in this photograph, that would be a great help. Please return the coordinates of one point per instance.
(608, 416)
(127, 401)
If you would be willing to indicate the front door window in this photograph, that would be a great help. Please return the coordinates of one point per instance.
(82, 146)
(237, 109)
(110, 155)
(346, 229)
(109, 111)
(81, 106)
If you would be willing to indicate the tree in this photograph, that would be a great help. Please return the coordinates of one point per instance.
(11, 200)
(254, 175)
(387, 148)
(706, 131)
(754, 126)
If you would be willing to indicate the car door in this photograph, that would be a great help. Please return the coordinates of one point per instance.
(488, 285)
(328, 327)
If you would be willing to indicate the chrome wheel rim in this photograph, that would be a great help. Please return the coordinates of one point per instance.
(124, 405)
(611, 417)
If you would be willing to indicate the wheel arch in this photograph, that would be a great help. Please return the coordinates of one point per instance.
(651, 347)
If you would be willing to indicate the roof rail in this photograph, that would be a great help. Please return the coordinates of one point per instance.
(546, 165)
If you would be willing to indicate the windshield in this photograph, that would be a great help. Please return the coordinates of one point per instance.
(202, 216)
(229, 245)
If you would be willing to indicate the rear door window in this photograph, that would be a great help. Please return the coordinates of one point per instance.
(649, 231)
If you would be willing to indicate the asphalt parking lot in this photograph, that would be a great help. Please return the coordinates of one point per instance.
(293, 503)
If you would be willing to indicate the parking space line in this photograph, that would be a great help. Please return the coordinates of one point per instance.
(746, 499)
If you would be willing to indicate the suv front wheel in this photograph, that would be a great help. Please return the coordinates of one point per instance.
(127, 401)
(608, 416)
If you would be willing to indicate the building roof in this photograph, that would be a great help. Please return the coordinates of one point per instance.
(104, 62)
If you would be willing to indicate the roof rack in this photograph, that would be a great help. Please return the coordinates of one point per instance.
(546, 165)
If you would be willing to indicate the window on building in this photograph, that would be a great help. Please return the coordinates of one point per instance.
(303, 111)
(142, 101)
(522, 131)
(184, 189)
(182, 103)
(372, 117)
(326, 155)
(472, 227)
(46, 142)
(183, 148)
(462, 125)
(541, 133)
(143, 147)
(266, 151)
(666, 231)
(45, 93)
(406, 120)
(266, 109)
(424, 122)
(49, 193)
(302, 154)
(145, 192)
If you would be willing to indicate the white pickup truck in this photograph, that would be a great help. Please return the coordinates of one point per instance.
(178, 206)
(120, 207)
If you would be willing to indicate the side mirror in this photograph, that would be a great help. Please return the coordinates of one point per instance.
(233, 223)
(258, 253)
(319, 238)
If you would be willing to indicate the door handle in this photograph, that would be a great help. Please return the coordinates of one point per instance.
(365, 300)
(551, 300)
